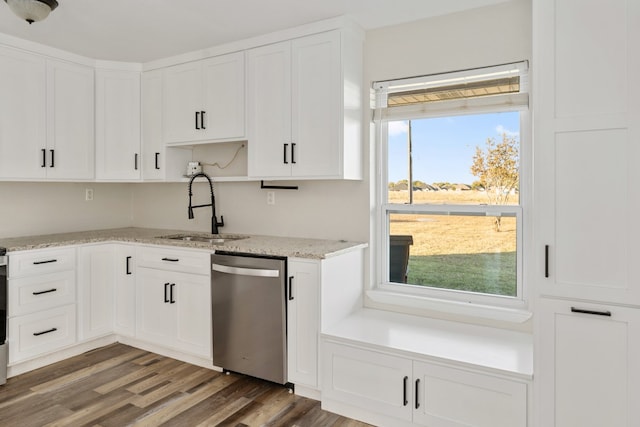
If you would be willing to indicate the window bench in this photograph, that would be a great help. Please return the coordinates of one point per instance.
(400, 370)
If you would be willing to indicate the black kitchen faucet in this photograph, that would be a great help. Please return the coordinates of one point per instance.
(214, 220)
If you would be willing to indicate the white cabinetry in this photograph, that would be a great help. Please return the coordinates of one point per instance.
(96, 279)
(589, 372)
(173, 308)
(46, 118)
(117, 125)
(22, 114)
(304, 108)
(587, 128)
(158, 161)
(125, 290)
(42, 302)
(70, 121)
(303, 319)
(406, 392)
(205, 100)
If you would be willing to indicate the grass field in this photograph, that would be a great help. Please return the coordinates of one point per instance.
(458, 252)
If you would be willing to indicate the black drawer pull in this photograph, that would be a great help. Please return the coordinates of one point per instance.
(171, 259)
(202, 126)
(49, 261)
(171, 300)
(157, 165)
(44, 158)
(293, 153)
(48, 331)
(197, 120)
(291, 288)
(128, 266)
(53, 161)
(166, 286)
(405, 401)
(417, 388)
(48, 291)
(594, 312)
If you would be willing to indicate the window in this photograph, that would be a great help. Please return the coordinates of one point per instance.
(451, 185)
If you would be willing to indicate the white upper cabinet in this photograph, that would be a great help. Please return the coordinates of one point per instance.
(118, 125)
(587, 134)
(152, 144)
(70, 119)
(304, 108)
(204, 101)
(46, 118)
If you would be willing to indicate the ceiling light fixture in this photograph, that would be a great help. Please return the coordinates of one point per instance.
(32, 10)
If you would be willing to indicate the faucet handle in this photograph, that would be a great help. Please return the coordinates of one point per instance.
(221, 223)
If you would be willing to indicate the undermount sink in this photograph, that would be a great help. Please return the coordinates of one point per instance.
(199, 238)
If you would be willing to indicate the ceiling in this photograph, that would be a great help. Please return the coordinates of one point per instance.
(145, 30)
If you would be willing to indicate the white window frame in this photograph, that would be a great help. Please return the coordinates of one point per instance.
(451, 301)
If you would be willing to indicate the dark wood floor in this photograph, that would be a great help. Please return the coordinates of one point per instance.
(120, 386)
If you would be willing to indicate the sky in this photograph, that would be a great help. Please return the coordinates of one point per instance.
(443, 148)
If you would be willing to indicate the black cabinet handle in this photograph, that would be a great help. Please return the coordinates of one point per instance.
(291, 288)
(202, 113)
(417, 388)
(49, 261)
(48, 331)
(44, 158)
(171, 300)
(166, 287)
(197, 120)
(128, 270)
(293, 153)
(171, 259)
(284, 154)
(546, 261)
(405, 402)
(157, 157)
(48, 291)
(594, 312)
(135, 161)
(53, 161)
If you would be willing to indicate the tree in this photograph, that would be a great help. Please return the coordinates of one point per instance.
(497, 169)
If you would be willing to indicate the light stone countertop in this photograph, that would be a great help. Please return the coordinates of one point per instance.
(252, 244)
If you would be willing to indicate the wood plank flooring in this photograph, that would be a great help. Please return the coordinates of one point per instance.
(118, 385)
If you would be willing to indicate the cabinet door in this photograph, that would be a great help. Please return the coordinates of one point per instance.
(153, 152)
(587, 127)
(302, 322)
(192, 296)
(22, 114)
(224, 98)
(372, 381)
(182, 98)
(70, 138)
(96, 280)
(269, 110)
(588, 373)
(448, 397)
(125, 291)
(155, 315)
(118, 125)
(317, 106)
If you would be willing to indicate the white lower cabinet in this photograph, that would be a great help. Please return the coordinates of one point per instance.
(390, 390)
(96, 279)
(124, 322)
(587, 371)
(173, 310)
(303, 317)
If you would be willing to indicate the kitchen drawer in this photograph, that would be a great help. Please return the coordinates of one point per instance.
(165, 258)
(41, 262)
(40, 333)
(34, 293)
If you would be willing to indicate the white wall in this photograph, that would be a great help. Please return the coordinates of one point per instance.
(325, 210)
(28, 208)
(480, 37)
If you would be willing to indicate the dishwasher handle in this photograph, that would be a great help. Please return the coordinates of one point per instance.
(244, 271)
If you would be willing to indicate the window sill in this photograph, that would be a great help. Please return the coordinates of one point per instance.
(504, 314)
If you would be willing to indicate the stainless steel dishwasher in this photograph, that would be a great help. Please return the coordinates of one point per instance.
(248, 299)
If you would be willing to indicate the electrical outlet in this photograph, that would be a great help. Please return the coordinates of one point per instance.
(271, 198)
(88, 194)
